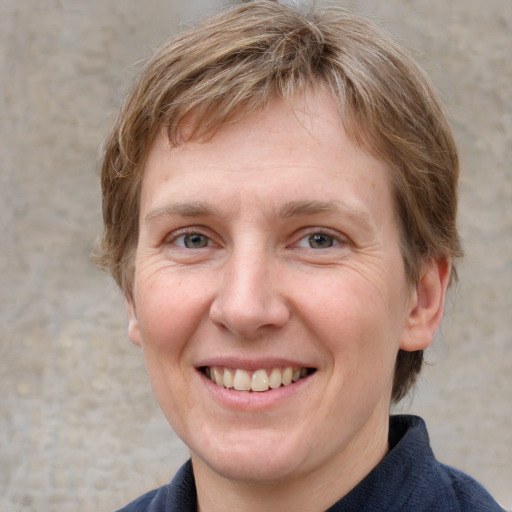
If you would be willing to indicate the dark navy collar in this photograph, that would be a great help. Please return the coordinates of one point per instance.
(391, 483)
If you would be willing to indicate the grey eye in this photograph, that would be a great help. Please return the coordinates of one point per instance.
(193, 241)
(320, 241)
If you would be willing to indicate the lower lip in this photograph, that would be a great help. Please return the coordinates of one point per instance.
(254, 400)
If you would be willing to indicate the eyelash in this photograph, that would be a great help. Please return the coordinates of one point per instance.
(174, 240)
(319, 236)
(332, 239)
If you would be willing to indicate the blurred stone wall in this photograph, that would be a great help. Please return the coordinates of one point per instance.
(79, 428)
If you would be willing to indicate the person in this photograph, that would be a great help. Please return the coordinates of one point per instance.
(279, 202)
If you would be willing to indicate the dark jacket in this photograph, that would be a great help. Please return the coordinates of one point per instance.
(408, 479)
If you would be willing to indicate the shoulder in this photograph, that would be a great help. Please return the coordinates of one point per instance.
(152, 501)
(178, 496)
(469, 494)
(435, 486)
(411, 479)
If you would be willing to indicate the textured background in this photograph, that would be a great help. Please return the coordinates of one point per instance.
(79, 428)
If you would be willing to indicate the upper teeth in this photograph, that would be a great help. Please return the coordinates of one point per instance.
(260, 380)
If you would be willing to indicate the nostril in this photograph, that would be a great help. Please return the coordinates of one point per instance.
(249, 322)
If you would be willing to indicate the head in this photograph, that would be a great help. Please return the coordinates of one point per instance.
(238, 63)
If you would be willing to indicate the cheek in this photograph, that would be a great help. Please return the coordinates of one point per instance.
(169, 316)
(169, 311)
(354, 321)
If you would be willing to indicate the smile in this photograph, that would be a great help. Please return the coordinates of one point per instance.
(258, 380)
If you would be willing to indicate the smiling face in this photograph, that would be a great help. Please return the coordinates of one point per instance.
(267, 254)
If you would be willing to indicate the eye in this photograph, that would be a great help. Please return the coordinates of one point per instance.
(193, 241)
(318, 241)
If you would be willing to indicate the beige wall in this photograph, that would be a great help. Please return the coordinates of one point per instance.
(79, 428)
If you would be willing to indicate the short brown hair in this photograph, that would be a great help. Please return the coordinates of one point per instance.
(240, 60)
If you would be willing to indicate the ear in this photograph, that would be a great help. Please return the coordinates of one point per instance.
(133, 323)
(427, 305)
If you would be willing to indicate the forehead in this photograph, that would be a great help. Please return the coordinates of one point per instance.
(283, 152)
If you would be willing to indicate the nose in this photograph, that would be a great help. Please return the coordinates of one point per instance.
(248, 302)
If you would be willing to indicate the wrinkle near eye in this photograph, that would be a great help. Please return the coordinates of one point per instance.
(370, 264)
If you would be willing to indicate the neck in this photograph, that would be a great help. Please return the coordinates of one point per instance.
(310, 491)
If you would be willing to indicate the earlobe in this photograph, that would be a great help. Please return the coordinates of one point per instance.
(427, 305)
(133, 324)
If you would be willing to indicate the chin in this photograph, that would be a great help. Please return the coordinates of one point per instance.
(262, 462)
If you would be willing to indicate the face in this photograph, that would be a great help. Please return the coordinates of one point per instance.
(269, 296)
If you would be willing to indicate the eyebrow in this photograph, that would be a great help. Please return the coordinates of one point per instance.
(300, 208)
(188, 209)
(289, 210)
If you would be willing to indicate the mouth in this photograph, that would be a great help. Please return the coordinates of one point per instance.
(259, 381)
